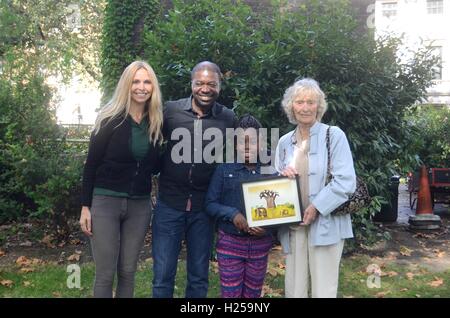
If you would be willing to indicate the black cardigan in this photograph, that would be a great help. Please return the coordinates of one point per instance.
(110, 163)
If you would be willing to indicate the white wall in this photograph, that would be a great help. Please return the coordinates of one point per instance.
(419, 27)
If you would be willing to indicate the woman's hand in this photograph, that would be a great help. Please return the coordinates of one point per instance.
(309, 215)
(257, 231)
(85, 221)
(240, 222)
(289, 172)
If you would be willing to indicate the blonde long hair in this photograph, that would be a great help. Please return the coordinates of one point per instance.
(121, 102)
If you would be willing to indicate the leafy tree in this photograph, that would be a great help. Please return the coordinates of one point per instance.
(50, 37)
(194, 31)
(124, 24)
(430, 137)
(40, 174)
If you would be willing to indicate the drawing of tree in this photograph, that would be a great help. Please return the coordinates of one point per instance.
(269, 196)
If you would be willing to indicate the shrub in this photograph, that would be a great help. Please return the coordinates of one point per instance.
(430, 137)
(40, 173)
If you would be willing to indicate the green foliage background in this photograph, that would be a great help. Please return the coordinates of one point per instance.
(40, 173)
(121, 44)
(369, 89)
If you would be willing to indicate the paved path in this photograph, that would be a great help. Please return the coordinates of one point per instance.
(404, 211)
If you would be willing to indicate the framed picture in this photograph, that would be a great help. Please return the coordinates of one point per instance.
(272, 201)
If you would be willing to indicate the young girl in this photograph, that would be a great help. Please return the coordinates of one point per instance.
(123, 154)
(242, 252)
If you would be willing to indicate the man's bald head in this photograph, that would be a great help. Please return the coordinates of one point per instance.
(206, 65)
(205, 84)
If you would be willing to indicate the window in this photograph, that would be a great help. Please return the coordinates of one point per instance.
(437, 69)
(389, 9)
(435, 6)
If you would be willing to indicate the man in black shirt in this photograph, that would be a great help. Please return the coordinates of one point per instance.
(184, 180)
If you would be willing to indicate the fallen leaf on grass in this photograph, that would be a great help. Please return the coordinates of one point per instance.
(26, 283)
(267, 291)
(37, 261)
(373, 269)
(215, 267)
(405, 251)
(75, 242)
(410, 275)
(26, 270)
(348, 296)
(423, 235)
(404, 289)
(6, 283)
(389, 274)
(74, 257)
(273, 272)
(48, 241)
(56, 294)
(23, 261)
(275, 293)
(436, 283)
(382, 294)
(2, 253)
(439, 253)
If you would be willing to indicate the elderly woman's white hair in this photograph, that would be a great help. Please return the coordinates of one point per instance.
(302, 86)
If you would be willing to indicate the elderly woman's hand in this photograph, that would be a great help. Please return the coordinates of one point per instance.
(309, 215)
(289, 172)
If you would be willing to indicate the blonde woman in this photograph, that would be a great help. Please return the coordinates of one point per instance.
(123, 154)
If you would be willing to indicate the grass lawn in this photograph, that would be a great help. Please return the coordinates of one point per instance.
(50, 280)
(396, 280)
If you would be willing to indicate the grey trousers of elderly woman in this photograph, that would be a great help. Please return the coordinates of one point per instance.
(119, 226)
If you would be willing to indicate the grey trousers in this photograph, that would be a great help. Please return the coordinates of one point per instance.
(119, 226)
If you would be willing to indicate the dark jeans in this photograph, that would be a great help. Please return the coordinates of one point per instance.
(169, 228)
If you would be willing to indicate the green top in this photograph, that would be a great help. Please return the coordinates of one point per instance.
(139, 138)
(139, 144)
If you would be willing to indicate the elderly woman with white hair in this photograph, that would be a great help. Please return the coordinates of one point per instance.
(314, 247)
